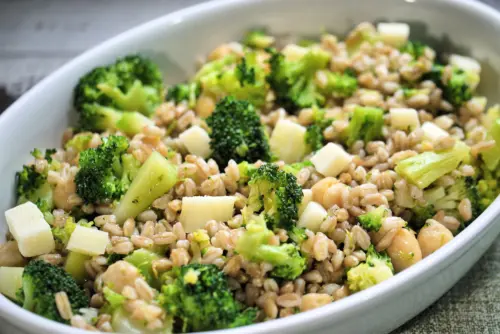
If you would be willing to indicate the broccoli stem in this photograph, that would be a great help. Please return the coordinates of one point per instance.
(75, 266)
(155, 177)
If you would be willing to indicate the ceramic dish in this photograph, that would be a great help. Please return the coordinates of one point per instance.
(176, 40)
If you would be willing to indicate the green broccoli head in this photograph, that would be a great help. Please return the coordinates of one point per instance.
(365, 124)
(32, 185)
(488, 188)
(275, 193)
(188, 92)
(40, 282)
(132, 83)
(258, 38)
(236, 133)
(372, 220)
(425, 168)
(414, 48)
(314, 134)
(377, 268)
(244, 80)
(293, 82)
(106, 171)
(337, 85)
(420, 215)
(80, 142)
(286, 259)
(199, 299)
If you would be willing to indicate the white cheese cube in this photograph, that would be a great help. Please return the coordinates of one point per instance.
(312, 217)
(196, 211)
(404, 118)
(465, 63)
(88, 241)
(306, 198)
(196, 141)
(395, 34)
(10, 281)
(432, 132)
(331, 160)
(29, 228)
(287, 141)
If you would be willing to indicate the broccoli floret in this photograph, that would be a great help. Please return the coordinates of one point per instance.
(114, 257)
(216, 66)
(293, 82)
(425, 168)
(244, 81)
(365, 124)
(459, 86)
(277, 194)
(420, 215)
(32, 185)
(143, 260)
(488, 188)
(199, 299)
(236, 133)
(336, 84)
(377, 268)
(314, 134)
(286, 259)
(41, 281)
(258, 38)
(414, 48)
(491, 157)
(79, 142)
(298, 235)
(296, 167)
(464, 187)
(184, 92)
(132, 83)
(372, 220)
(106, 171)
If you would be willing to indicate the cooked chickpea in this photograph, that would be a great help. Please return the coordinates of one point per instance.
(334, 195)
(432, 237)
(10, 255)
(62, 194)
(320, 188)
(404, 250)
(205, 106)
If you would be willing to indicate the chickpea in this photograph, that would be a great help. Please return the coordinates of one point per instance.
(319, 189)
(205, 106)
(62, 193)
(432, 237)
(10, 255)
(404, 250)
(334, 195)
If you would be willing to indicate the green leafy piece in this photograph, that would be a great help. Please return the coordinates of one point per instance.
(293, 82)
(199, 299)
(41, 281)
(377, 268)
(236, 133)
(314, 134)
(425, 168)
(366, 124)
(275, 193)
(372, 220)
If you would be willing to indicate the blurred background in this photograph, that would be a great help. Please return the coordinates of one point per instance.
(38, 36)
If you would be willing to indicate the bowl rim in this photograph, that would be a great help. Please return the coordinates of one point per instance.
(364, 299)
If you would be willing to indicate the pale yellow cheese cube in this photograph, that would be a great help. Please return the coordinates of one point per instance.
(89, 241)
(196, 211)
(287, 141)
(29, 228)
(331, 160)
(395, 34)
(432, 132)
(306, 198)
(312, 217)
(404, 118)
(465, 63)
(197, 141)
(10, 281)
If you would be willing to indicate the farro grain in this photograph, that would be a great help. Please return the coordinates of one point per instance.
(288, 300)
(63, 305)
(313, 300)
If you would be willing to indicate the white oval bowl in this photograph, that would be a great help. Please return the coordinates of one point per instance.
(175, 41)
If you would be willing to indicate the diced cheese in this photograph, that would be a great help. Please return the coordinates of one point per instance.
(10, 281)
(287, 141)
(196, 141)
(433, 132)
(404, 118)
(293, 52)
(29, 228)
(331, 160)
(88, 241)
(465, 63)
(395, 34)
(308, 196)
(196, 211)
(312, 217)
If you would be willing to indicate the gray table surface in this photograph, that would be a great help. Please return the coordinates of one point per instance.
(38, 36)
